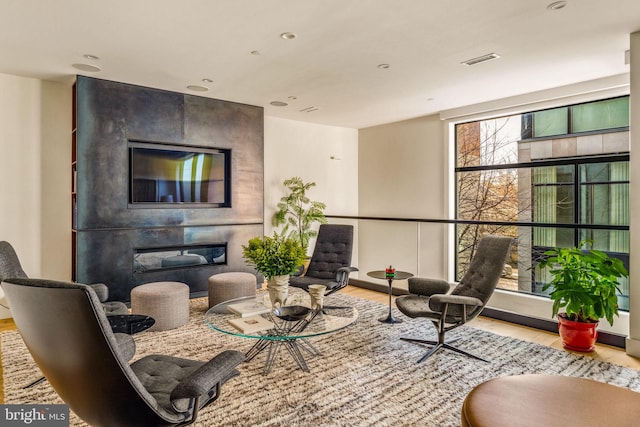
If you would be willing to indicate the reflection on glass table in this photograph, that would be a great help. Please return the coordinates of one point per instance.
(288, 328)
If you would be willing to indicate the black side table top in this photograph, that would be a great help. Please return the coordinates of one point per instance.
(130, 323)
(381, 274)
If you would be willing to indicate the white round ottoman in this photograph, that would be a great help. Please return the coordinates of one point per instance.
(166, 302)
(226, 286)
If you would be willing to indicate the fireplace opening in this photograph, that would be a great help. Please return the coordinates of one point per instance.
(154, 259)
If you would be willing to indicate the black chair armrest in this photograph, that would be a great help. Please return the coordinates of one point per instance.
(427, 287)
(456, 299)
(342, 275)
(342, 279)
(213, 373)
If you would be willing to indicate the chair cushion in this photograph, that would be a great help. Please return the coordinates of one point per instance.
(303, 282)
(115, 308)
(160, 374)
(416, 306)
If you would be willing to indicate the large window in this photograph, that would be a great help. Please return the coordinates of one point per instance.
(548, 178)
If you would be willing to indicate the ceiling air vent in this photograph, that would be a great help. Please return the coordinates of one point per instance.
(480, 59)
(309, 109)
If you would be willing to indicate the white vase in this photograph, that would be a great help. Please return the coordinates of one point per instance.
(316, 293)
(278, 287)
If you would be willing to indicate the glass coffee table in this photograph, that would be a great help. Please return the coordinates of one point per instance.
(289, 327)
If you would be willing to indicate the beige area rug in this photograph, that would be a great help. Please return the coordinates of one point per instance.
(367, 376)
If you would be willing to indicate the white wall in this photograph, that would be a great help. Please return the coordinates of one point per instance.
(403, 174)
(326, 155)
(20, 118)
(55, 177)
(34, 124)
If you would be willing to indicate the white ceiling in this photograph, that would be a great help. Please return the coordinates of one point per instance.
(333, 63)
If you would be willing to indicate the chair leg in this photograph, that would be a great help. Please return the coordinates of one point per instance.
(466, 353)
(35, 382)
(430, 353)
(437, 345)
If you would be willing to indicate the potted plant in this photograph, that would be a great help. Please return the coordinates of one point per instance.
(298, 213)
(276, 257)
(585, 285)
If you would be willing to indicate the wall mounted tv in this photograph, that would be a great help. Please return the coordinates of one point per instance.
(162, 174)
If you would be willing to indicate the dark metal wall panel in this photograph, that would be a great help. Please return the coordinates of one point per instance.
(238, 127)
(109, 114)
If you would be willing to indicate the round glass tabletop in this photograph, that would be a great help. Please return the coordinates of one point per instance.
(296, 320)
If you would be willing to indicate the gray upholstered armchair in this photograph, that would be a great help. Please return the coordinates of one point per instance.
(10, 267)
(331, 261)
(450, 306)
(97, 382)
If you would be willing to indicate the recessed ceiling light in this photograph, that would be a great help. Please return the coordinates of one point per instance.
(86, 67)
(383, 66)
(197, 88)
(255, 52)
(479, 59)
(288, 36)
(91, 57)
(278, 103)
(557, 5)
(207, 80)
(293, 98)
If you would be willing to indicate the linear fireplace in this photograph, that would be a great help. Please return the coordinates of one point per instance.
(154, 259)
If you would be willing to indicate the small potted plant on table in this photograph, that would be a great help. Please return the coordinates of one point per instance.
(276, 257)
(585, 285)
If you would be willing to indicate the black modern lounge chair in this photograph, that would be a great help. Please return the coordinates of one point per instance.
(77, 352)
(10, 267)
(449, 308)
(331, 261)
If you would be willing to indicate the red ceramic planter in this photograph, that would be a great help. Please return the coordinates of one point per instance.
(577, 336)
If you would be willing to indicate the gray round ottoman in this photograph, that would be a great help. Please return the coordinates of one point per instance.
(166, 302)
(226, 286)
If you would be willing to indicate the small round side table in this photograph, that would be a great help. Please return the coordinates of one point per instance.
(398, 275)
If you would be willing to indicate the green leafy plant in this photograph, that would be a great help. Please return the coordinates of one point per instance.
(273, 256)
(298, 213)
(585, 282)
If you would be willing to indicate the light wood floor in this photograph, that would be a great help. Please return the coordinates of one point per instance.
(602, 352)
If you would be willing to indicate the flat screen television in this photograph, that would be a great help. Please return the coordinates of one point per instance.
(170, 174)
